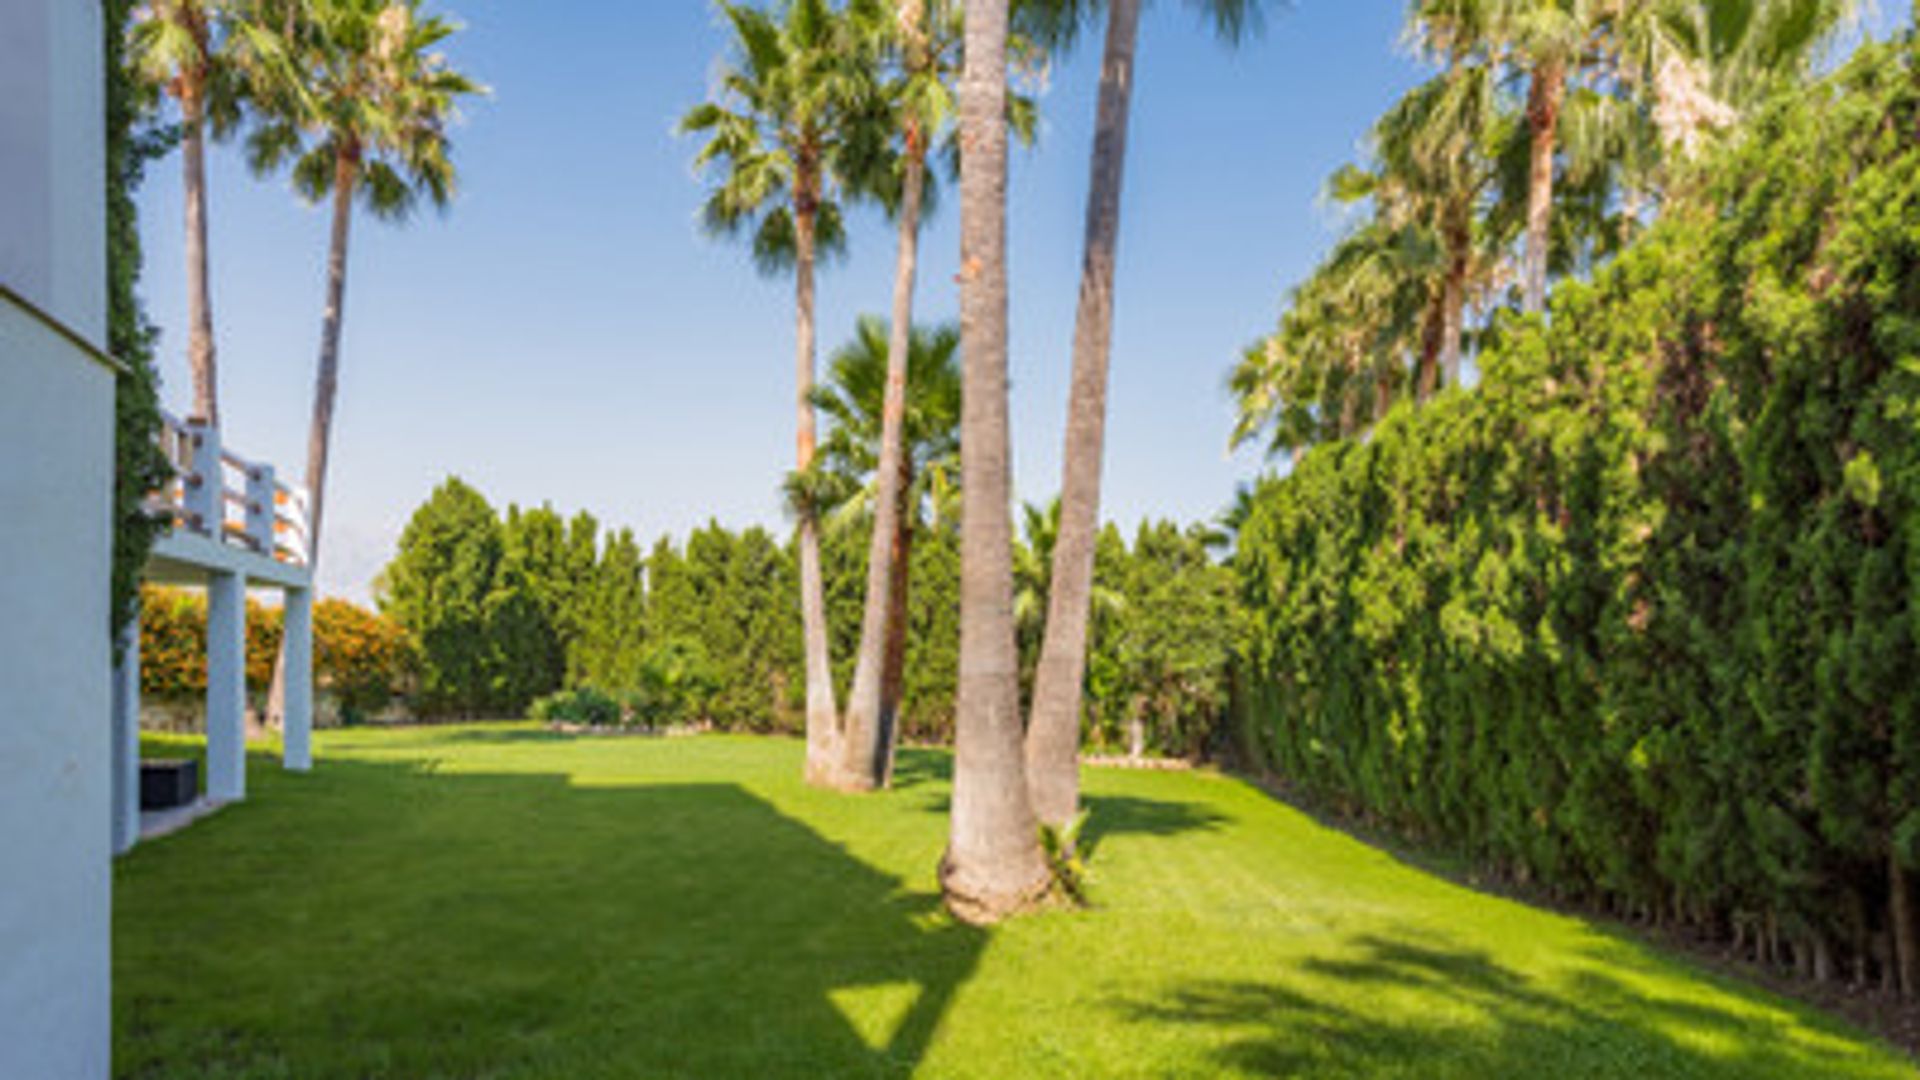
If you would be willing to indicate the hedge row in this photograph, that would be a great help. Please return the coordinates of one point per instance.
(1636, 617)
(361, 659)
(508, 609)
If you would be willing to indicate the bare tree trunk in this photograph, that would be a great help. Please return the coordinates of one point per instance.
(823, 722)
(200, 351)
(867, 750)
(1905, 949)
(992, 867)
(1053, 737)
(1545, 94)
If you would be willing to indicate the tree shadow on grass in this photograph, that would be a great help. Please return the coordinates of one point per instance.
(504, 735)
(914, 766)
(1122, 815)
(1108, 815)
(372, 919)
(1441, 1011)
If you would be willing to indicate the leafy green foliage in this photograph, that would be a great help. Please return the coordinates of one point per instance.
(360, 658)
(676, 681)
(1636, 617)
(583, 705)
(139, 466)
(356, 92)
(503, 610)
(440, 586)
(1065, 858)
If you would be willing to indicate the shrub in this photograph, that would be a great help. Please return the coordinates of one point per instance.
(674, 684)
(582, 705)
(360, 657)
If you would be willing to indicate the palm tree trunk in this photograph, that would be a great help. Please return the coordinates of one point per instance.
(893, 684)
(992, 867)
(193, 165)
(1433, 342)
(822, 712)
(1454, 298)
(864, 757)
(326, 383)
(1053, 737)
(1545, 94)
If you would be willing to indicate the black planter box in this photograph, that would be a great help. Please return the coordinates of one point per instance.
(168, 783)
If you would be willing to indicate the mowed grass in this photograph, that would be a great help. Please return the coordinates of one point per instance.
(495, 901)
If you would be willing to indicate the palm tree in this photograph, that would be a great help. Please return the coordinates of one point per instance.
(1554, 39)
(1688, 62)
(1344, 351)
(1433, 168)
(368, 122)
(923, 38)
(1033, 582)
(788, 137)
(1053, 736)
(1033, 572)
(993, 866)
(182, 48)
(1701, 65)
(848, 486)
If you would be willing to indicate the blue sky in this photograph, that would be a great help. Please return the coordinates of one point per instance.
(567, 334)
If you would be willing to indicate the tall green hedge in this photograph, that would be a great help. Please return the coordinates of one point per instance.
(505, 609)
(1636, 617)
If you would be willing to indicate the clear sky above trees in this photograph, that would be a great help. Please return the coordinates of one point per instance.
(569, 335)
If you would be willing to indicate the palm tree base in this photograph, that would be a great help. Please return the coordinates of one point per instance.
(986, 899)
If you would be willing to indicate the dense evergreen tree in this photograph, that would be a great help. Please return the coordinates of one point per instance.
(440, 587)
(536, 606)
(1636, 617)
(614, 620)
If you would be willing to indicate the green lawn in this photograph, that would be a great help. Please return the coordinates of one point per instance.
(494, 901)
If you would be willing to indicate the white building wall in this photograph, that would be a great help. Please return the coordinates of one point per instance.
(56, 438)
(56, 469)
(53, 159)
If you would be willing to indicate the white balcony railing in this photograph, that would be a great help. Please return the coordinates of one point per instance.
(221, 495)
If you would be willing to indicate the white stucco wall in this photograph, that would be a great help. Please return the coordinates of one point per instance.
(56, 469)
(52, 157)
(56, 438)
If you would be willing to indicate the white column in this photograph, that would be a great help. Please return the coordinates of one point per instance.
(226, 687)
(296, 748)
(126, 739)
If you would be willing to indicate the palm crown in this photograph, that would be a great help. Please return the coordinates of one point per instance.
(797, 125)
(843, 478)
(370, 95)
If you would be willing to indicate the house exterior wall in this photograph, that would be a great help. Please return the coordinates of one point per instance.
(56, 437)
(53, 159)
(56, 443)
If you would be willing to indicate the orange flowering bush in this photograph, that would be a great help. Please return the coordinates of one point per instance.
(360, 656)
(173, 643)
